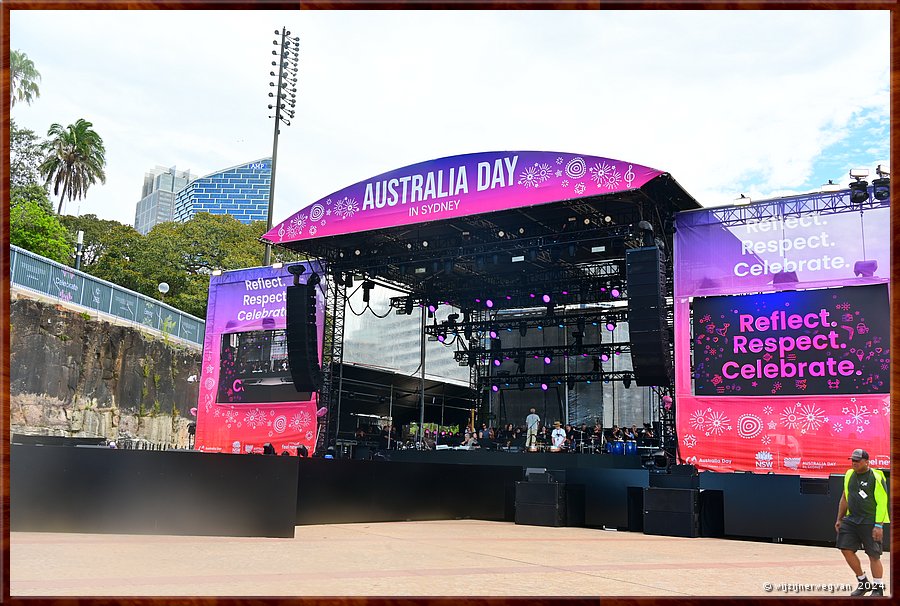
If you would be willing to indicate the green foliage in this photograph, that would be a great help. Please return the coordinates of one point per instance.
(74, 160)
(24, 156)
(23, 77)
(34, 227)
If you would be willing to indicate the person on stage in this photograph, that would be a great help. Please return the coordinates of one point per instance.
(862, 513)
(532, 421)
(558, 435)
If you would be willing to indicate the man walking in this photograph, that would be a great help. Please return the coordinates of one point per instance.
(861, 515)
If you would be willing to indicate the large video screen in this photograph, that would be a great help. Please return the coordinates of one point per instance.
(811, 342)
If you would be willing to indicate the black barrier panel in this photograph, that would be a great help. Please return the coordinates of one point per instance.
(606, 493)
(771, 506)
(101, 490)
(547, 460)
(344, 491)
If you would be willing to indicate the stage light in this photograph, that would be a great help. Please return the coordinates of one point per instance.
(357, 252)
(501, 233)
(424, 243)
(544, 386)
(881, 188)
(596, 367)
(523, 328)
(493, 333)
(432, 308)
(495, 388)
(610, 326)
(441, 338)
(367, 287)
(615, 293)
(626, 380)
(521, 231)
(520, 363)
(497, 362)
(489, 304)
(859, 173)
(531, 295)
(604, 356)
(865, 269)
(859, 192)
(547, 359)
(545, 298)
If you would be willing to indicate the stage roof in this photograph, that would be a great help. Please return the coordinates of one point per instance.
(486, 219)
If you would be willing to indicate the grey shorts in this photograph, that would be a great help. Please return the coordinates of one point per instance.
(858, 536)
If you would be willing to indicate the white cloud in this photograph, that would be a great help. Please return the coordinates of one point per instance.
(722, 100)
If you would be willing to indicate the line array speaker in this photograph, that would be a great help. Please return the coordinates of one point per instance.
(651, 354)
(303, 337)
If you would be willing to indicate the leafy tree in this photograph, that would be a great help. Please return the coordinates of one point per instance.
(24, 156)
(74, 160)
(101, 237)
(33, 225)
(23, 77)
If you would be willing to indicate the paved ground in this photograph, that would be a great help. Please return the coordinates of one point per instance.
(444, 558)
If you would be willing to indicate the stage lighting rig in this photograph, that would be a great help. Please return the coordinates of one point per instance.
(881, 187)
(859, 189)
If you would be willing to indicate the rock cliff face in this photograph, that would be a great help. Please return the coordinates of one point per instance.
(72, 375)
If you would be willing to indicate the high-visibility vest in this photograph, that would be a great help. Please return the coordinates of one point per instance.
(881, 498)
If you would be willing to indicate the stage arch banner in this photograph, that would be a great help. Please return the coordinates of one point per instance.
(246, 395)
(782, 339)
(458, 186)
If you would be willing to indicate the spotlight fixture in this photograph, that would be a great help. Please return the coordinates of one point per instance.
(742, 199)
(881, 187)
(626, 380)
(523, 328)
(367, 287)
(544, 386)
(548, 359)
(610, 326)
(495, 388)
(859, 192)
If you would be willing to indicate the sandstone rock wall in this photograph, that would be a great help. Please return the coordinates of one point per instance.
(71, 375)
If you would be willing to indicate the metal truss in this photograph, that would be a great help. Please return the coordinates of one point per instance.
(822, 203)
(332, 362)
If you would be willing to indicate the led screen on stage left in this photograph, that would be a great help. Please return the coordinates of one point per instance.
(247, 397)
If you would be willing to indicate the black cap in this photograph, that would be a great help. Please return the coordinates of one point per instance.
(859, 454)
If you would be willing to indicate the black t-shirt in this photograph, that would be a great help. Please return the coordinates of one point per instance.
(861, 498)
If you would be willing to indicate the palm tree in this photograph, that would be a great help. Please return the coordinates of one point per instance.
(23, 78)
(74, 160)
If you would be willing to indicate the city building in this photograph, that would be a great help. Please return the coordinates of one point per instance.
(157, 204)
(241, 191)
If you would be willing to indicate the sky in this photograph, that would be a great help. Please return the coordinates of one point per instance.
(761, 103)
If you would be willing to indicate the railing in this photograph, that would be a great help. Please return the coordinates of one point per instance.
(39, 274)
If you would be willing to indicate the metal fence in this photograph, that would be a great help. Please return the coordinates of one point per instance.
(34, 272)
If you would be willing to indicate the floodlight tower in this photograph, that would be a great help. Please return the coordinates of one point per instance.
(285, 95)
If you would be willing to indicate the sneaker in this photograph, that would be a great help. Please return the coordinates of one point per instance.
(862, 588)
(877, 590)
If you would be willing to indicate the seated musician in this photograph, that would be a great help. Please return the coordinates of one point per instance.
(558, 435)
(628, 434)
(617, 434)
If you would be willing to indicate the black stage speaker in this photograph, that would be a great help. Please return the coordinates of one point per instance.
(651, 355)
(541, 503)
(672, 512)
(303, 338)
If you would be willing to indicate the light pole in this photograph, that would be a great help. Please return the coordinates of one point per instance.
(285, 96)
(79, 249)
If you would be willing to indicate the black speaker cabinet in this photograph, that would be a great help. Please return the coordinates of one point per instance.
(303, 337)
(541, 503)
(672, 512)
(651, 352)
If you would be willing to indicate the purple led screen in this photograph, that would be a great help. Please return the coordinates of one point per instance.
(458, 186)
(820, 250)
(812, 342)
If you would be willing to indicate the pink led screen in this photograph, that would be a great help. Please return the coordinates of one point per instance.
(247, 397)
(782, 339)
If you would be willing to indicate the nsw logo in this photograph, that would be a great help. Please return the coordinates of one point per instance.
(764, 459)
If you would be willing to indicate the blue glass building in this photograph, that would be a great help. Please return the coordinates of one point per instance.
(240, 191)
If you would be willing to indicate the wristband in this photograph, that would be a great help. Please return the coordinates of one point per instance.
(878, 526)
